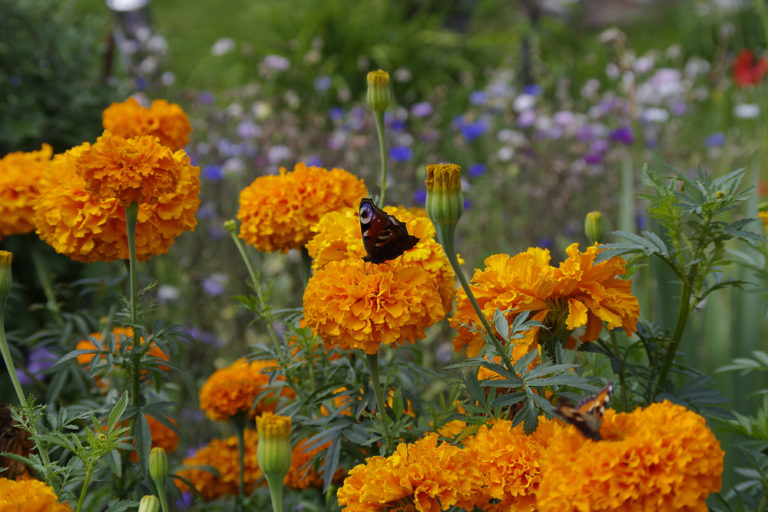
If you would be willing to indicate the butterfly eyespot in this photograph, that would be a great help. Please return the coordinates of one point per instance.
(366, 213)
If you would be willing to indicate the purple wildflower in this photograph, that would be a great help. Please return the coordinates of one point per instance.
(716, 140)
(213, 173)
(533, 90)
(476, 170)
(336, 114)
(400, 153)
(420, 196)
(323, 83)
(421, 109)
(623, 135)
(40, 359)
(205, 98)
(478, 98)
(213, 285)
(472, 131)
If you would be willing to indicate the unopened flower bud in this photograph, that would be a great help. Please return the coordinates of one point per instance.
(274, 450)
(5, 276)
(230, 225)
(445, 201)
(378, 90)
(158, 466)
(594, 226)
(149, 503)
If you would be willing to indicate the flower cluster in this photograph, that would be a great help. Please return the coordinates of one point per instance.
(277, 212)
(131, 170)
(578, 293)
(221, 455)
(663, 457)
(28, 496)
(425, 476)
(86, 228)
(234, 389)
(352, 304)
(166, 121)
(20, 175)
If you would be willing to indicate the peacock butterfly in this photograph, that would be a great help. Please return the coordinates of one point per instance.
(588, 415)
(384, 237)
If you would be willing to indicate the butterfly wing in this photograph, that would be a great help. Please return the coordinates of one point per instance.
(588, 415)
(384, 237)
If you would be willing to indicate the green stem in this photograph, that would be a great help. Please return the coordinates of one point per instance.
(246, 259)
(163, 498)
(329, 494)
(239, 420)
(622, 381)
(682, 319)
(84, 490)
(6, 351)
(131, 216)
(45, 282)
(373, 365)
(276, 492)
(379, 117)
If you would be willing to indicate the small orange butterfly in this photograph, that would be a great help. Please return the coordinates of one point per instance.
(588, 415)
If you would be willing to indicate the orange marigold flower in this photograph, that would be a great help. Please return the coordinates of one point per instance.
(221, 455)
(509, 461)
(277, 212)
(131, 170)
(337, 237)
(425, 476)
(166, 121)
(86, 229)
(28, 496)
(303, 473)
(162, 435)
(352, 304)
(578, 293)
(231, 390)
(663, 457)
(20, 175)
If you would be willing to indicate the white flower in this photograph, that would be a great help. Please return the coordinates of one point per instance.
(222, 46)
(524, 102)
(655, 115)
(746, 110)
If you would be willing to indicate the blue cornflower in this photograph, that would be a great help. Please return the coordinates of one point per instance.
(476, 170)
(400, 153)
(213, 173)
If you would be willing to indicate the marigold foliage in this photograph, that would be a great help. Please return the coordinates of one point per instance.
(277, 212)
(578, 293)
(428, 475)
(28, 496)
(121, 335)
(131, 170)
(303, 474)
(86, 229)
(337, 237)
(233, 389)
(510, 464)
(221, 454)
(166, 121)
(663, 457)
(20, 175)
(352, 304)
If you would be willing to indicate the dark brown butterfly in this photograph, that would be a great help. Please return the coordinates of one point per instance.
(588, 415)
(384, 237)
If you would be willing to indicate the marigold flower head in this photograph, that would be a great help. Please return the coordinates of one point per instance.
(510, 464)
(87, 229)
(594, 226)
(233, 389)
(578, 293)
(379, 94)
(131, 170)
(445, 201)
(28, 496)
(351, 304)
(663, 457)
(20, 175)
(166, 121)
(221, 454)
(425, 475)
(337, 237)
(277, 212)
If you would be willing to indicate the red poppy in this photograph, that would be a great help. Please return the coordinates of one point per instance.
(747, 70)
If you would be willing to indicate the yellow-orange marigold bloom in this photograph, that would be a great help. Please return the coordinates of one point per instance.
(277, 212)
(166, 121)
(87, 229)
(233, 389)
(28, 496)
(131, 170)
(20, 175)
(163, 436)
(337, 237)
(763, 216)
(352, 304)
(427, 475)
(510, 464)
(580, 293)
(663, 457)
(221, 454)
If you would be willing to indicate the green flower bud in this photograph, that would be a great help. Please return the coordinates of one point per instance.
(5, 276)
(158, 467)
(274, 450)
(445, 201)
(230, 225)
(149, 503)
(378, 90)
(594, 226)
